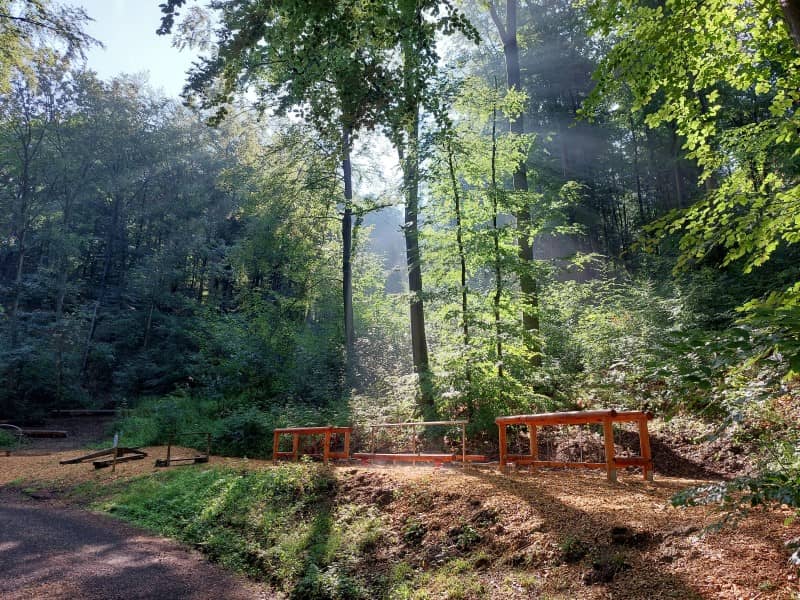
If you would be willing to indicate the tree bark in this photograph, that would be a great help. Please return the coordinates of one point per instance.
(462, 257)
(498, 274)
(791, 12)
(419, 344)
(528, 286)
(407, 144)
(347, 245)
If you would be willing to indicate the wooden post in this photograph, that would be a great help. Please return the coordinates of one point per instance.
(347, 444)
(114, 454)
(208, 445)
(532, 434)
(372, 438)
(169, 449)
(275, 445)
(295, 445)
(608, 438)
(502, 431)
(644, 446)
(413, 439)
(327, 449)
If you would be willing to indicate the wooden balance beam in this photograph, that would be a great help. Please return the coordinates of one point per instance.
(605, 417)
(185, 460)
(327, 432)
(118, 455)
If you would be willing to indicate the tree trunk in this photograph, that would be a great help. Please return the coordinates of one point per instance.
(419, 343)
(791, 12)
(528, 287)
(14, 319)
(498, 274)
(639, 197)
(462, 257)
(407, 145)
(347, 246)
(109, 253)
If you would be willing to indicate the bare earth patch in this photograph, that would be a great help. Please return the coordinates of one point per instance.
(553, 534)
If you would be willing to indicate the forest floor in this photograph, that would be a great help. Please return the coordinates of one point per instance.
(480, 534)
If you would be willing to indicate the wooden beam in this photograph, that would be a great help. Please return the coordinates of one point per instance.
(608, 440)
(644, 444)
(503, 448)
(576, 417)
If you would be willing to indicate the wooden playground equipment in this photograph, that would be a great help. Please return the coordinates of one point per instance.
(437, 458)
(185, 460)
(606, 418)
(326, 453)
(117, 453)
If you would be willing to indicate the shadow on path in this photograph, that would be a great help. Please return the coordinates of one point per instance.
(60, 553)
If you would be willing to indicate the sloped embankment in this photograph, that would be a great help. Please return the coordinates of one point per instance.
(317, 533)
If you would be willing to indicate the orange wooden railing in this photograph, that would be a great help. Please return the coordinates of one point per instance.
(605, 417)
(297, 432)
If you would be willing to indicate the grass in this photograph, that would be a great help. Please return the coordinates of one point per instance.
(277, 525)
(8, 441)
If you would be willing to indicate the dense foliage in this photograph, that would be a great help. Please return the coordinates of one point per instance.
(610, 220)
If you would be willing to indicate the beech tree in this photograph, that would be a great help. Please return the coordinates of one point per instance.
(318, 60)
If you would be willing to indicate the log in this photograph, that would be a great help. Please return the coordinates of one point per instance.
(45, 433)
(102, 464)
(84, 412)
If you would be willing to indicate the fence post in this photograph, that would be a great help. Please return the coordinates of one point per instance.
(502, 431)
(608, 439)
(644, 445)
(327, 449)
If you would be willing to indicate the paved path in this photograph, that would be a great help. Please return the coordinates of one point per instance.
(57, 553)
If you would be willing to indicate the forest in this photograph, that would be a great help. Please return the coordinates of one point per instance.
(370, 210)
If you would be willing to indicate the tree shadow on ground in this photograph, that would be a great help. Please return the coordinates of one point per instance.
(57, 553)
(646, 576)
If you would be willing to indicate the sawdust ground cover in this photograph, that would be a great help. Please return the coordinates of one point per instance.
(396, 533)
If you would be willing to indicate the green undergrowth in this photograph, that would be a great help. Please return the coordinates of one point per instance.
(289, 526)
(239, 426)
(280, 525)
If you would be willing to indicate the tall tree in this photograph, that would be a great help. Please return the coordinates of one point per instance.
(310, 58)
(507, 30)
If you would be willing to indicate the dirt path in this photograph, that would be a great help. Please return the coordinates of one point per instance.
(57, 553)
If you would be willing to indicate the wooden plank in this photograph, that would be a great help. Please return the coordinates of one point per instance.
(422, 423)
(575, 417)
(45, 433)
(422, 457)
(102, 464)
(79, 459)
(312, 430)
(524, 459)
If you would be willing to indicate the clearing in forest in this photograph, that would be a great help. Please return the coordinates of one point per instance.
(450, 533)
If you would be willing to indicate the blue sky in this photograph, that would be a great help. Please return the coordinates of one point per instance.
(127, 28)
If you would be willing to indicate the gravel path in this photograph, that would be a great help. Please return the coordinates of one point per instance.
(52, 552)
